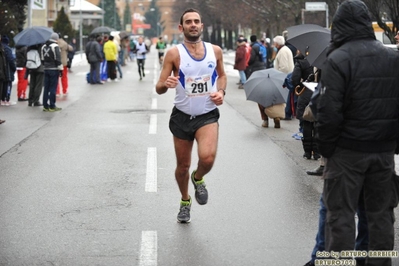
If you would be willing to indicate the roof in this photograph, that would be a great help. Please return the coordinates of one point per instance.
(85, 6)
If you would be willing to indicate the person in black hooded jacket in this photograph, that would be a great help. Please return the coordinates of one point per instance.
(303, 71)
(357, 130)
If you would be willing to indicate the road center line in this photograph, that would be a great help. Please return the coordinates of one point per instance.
(153, 124)
(149, 246)
(151, 176)
(154, 104)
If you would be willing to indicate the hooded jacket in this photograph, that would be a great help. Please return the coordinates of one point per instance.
(358, 107)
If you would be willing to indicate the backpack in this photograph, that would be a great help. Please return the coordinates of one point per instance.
(33, 59)
(262, 52)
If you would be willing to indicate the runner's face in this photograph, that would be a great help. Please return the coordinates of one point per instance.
(397, 37)
(192, 26)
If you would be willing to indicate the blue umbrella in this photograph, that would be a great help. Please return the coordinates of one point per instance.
(33, 35)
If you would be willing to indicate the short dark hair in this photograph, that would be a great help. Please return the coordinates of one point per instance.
(190, 10)
(253, 38)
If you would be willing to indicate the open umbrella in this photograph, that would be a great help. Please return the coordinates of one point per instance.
(124, 34)
(33, 35)
(312, 40)
(266, 87)
(101, 30)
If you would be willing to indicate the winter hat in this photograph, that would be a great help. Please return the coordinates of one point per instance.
(54, 37)
(5, 39)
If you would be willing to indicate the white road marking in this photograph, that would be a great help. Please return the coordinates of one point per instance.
(154, 104)
(149, 248)
(151, 176)
(153, 124)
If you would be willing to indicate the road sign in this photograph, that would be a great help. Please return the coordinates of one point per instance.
(315, 6)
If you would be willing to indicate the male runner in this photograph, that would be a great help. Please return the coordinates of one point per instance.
(200, 81)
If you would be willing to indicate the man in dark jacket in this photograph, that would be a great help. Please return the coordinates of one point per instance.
(51, 59)
(357, 131)
(94, 57)
(10, 69)
(2, 71)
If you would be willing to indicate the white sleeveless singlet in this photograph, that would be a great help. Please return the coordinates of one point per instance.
(197, 81)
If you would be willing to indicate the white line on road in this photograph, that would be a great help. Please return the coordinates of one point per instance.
(151, 177)
(149, 246)
(153, 124)
(154, 103)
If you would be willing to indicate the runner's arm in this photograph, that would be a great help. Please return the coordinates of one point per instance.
(167, 81)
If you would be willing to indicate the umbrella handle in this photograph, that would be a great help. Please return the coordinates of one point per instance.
(299, 90)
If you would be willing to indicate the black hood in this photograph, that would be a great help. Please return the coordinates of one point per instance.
(351, 22)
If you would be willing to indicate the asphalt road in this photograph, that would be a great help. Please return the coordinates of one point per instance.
(94, 184)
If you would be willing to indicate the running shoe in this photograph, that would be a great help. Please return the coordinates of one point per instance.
(184, 214)
(55, 109)
(201, 194)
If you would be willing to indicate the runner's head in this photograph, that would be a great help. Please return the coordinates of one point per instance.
(191, 25)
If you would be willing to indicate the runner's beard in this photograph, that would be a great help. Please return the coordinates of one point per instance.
(192, 38)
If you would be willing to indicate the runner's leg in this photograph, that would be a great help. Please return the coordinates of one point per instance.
(207, 140)
(183, 149)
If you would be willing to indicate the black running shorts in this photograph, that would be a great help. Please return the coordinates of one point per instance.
(184, 126)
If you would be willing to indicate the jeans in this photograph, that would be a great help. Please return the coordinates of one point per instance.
(290, 108)
(243, 77)
(95, 72)
(362, 239)
(50, 88)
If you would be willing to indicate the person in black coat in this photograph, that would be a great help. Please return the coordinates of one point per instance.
(303, 71)
(357, 130)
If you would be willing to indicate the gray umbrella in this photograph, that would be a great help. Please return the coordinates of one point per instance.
(33, 35)
(312, 40)
(101, 30)
(266, 87)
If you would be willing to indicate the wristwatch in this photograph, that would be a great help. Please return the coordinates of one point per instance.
(224, 91)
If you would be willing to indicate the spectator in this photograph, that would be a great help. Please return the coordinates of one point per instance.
(21, 71)
(240, 61)
(2, 71)
(10, 69)
(64, 48)
(284, 62)
(71, 54)
(53, 69)
(36, 81)
(94, 57)
(303, 71)
(111, 55)
(357, 131)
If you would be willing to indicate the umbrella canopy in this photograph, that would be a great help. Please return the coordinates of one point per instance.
(266, 87)
(312, 40)
(33, 35)
(101, 30)
(124, 34)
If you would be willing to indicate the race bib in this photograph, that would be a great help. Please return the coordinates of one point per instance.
(198, 86)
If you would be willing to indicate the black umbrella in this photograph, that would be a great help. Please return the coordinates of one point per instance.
(124, 34)
(312, 40)
(266, 87)
(33, 35)
(101, 30)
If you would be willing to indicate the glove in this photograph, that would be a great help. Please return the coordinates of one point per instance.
(60, 73)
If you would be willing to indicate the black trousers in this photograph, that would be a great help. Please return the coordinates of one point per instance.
(111, 65)
(35, 86)
(345, 173)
